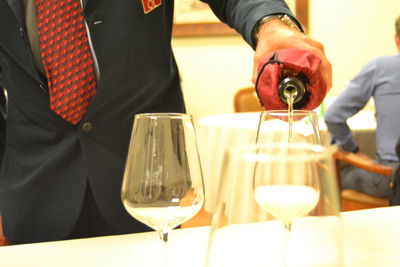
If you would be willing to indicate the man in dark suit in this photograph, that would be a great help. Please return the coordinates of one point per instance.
(60, 177)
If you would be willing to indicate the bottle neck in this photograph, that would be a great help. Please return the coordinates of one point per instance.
(291, 88)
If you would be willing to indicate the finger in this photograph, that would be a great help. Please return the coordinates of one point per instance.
(255, 73)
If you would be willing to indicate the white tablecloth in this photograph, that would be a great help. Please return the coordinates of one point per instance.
(218, 132)
(371, 239)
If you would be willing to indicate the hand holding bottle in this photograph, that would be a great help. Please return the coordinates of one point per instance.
(291, 73)
(275, 36)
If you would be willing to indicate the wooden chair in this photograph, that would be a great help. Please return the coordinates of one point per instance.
(355, 200)
(3, 240)
(246, 100)
(203, 218)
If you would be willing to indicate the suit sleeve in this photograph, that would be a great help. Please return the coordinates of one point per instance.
(242, 15)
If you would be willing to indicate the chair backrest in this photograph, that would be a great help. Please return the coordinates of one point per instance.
(246, 100)
(355, 200)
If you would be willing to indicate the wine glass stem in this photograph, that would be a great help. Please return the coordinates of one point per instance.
(164, 239)
(288, 228)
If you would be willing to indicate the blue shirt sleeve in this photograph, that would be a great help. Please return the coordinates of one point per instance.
(348, 103)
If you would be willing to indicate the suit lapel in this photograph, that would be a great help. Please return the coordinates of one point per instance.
(22, 54)
(84, 3)
(17, 7)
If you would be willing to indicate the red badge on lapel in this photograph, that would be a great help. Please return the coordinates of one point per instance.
(149, 5)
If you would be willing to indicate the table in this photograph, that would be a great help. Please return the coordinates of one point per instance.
(371, 239)
(216, 133)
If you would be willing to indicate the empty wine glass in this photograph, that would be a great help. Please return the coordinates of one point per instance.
(163, 183)
(268, 190)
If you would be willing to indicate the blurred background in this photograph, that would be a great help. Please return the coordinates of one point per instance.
(353, 32)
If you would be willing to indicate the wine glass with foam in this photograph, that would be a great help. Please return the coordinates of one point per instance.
(287, 182)
(163, 184)
(278, 206)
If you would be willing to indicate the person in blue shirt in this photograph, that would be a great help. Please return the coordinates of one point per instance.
(379, 79)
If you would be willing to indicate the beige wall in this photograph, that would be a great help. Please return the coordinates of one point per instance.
(212, 69)
(353, 32)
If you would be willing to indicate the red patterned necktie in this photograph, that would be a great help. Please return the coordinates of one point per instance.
(67, 57)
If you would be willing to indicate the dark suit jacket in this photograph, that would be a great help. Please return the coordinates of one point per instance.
(46, 161)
